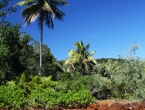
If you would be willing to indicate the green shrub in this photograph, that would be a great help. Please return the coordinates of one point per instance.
(48, 98)
(45, 94)
(12, 97)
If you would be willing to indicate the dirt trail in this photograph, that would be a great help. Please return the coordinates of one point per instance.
(114, 105)
(117, 105)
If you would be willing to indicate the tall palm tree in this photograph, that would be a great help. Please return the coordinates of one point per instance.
(80, 55)
(44, 11)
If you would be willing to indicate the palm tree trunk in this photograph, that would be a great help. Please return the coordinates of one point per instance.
(41, 38)
(73, 67)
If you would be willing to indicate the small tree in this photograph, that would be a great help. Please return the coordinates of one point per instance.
(12, 51)
(81, 55)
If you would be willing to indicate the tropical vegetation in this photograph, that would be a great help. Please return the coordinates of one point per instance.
(80, 56)
(75, 82)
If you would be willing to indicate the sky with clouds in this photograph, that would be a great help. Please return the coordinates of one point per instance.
(110, 26)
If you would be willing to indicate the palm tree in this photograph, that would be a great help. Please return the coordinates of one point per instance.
(80, 55)
(44, 11)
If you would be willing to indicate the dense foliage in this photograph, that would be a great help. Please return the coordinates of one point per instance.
(75, 82)
(17, 55)
(12, 51)
(42, 92)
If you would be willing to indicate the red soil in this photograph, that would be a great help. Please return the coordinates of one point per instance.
(117, 105)
(114, 105)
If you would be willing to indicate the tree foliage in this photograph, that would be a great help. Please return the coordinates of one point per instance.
(5, 10)
(50, 66)
(17, 55)
(12, 50)
(80, 56)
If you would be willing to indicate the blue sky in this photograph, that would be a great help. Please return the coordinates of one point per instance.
(110, 26)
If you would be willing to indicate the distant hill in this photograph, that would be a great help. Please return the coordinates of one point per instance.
(105, 60)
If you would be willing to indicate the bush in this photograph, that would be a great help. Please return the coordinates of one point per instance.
(45, 94)
(49, 98)
(13, 97)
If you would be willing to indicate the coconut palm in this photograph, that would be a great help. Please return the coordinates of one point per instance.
(80, 55)
(44, 11)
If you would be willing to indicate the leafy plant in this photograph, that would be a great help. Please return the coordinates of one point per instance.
(12, 97)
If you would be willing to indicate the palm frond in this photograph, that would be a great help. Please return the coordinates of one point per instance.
(87, 46)
(46, 6)
(31, 13)
(59, 2)
(48, 20)
(92, 53)
(72, 53)
(81, 43)
(78, 46)
(82, 48)
(58, 13)
(91, 59)
(24, 2)
(70, 61)
(34, 7)
(67, 61)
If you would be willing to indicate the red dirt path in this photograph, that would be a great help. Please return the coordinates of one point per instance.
(117, 105)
